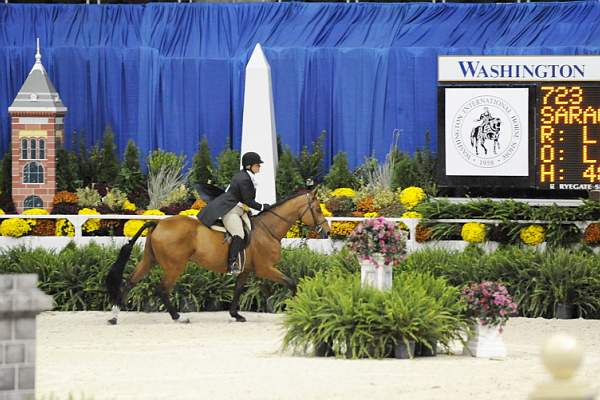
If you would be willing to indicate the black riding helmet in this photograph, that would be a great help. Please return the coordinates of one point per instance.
(251, 158)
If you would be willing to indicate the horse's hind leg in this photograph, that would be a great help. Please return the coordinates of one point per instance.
(235, 302)
(171, 273)
(141, 269)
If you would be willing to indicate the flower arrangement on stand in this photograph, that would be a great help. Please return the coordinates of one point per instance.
(379, 244)
(490, 306)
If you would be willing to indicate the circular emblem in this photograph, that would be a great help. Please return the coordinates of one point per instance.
(486, 131)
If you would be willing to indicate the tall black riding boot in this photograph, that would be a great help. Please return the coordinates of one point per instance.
(236, 245)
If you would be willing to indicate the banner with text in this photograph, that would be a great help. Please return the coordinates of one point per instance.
(518, 68)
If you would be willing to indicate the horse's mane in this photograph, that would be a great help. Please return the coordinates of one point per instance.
(285, 200)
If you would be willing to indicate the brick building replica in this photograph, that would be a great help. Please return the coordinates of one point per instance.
(37, 118)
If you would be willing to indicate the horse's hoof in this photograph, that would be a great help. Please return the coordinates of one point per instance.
(239, 318)
(112, 321)
(183, 320)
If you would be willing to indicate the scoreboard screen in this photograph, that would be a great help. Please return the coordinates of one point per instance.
(568, 136)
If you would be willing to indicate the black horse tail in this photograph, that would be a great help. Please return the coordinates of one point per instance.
(115, 274)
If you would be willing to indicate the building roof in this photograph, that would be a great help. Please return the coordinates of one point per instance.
(38, 92)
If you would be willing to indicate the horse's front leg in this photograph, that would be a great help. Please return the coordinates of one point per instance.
(235, 302)
(483, 146)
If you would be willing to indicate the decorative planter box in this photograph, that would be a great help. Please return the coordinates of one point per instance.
(377, 274)
(486, 342)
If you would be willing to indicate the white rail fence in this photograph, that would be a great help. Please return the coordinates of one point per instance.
(322, 245)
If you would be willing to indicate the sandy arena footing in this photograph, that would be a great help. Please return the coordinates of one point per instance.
(147, 356)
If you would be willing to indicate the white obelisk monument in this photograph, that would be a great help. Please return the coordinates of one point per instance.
(258, 126)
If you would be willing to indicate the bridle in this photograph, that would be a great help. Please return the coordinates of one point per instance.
(318, 226)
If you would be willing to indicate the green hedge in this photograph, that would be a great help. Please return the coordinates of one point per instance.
(75, 279)
(538, 281)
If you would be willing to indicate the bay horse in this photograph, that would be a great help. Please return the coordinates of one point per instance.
(174, 241)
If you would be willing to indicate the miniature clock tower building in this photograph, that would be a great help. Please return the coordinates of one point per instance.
(37, 123)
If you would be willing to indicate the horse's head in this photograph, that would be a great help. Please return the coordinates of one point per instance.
(310, 214)
(495, 124)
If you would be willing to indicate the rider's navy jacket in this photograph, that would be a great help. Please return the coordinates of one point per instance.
(241, 190)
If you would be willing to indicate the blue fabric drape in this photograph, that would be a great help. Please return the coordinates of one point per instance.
(164, 75)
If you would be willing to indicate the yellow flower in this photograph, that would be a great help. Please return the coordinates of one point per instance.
(129, 206)
(34, 211)
(16, 227)
(91, 225)
(473, 232)
(342, 228)
(64, 228)
(412, 214)
(409, 214)
(532, 235)
(132, 226)
(411, 196)
(191, 211)
(153, 212)
(346, 192)
(294, 231)
(325, 211)
(371, 214)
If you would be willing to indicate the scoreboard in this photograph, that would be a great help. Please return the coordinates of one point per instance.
(519, 121)
(568, 137)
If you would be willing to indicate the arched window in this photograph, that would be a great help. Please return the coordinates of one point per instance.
(24, 149)
(32, 143)
(33, 202)
(42, 149)
(33, 173)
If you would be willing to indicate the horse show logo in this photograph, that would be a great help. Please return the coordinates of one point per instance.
(486, 131)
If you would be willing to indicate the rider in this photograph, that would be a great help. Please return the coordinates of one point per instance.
(229, 206)
(485, 117)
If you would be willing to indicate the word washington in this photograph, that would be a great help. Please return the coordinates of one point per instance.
(475, 69)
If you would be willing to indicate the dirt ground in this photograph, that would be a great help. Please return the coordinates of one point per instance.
(147, 356)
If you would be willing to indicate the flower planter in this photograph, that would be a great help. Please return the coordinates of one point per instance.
(324, 349)
(565, 311)
(376, 275)
(423, 351)
(402, 351)
(486, 342)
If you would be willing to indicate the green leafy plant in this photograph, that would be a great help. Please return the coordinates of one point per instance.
(108, 163)
(88, 197)
(162, 183)
(228, 163)
(339, 175)
(130, 177)
(164, 160)
(310, 163)
(288, 179)
(202, 167)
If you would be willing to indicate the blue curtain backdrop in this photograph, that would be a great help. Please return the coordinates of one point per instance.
(165, 74)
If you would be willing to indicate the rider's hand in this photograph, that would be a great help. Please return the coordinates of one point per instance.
(266, 207)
